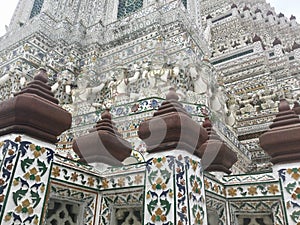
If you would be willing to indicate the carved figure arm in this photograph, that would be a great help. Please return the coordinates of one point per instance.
(4, 78)
(97, 88)
(135, 77)
(54, 87)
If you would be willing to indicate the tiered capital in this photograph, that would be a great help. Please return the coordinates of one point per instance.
(215, 154)
(172, 128)
(34, 111)
(282, 141)
(103, 144)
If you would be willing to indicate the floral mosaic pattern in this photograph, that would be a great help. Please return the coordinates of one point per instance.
(217, 205)
(132, 197)
(215, 187)
(160, 196)
(253, 190)
(242, 192)
(153, 104)
(24, 176)
(174, 191)
(9, 155)
(290, 178)
(123, 177)
(81, 176)
(85, 176)
(62, 191)
(196, 196)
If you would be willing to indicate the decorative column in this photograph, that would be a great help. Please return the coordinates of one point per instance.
(282, 143)
(29, 125)
(246, 10)
(277, 47)
(293, 21)
(257, 43)
(174, 188)
(258, 14)
(296, 50)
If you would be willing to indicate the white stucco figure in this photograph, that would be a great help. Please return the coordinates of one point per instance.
(121, 80)
(207, 31)
(199, 77)
(64, 78)
(84, 92)
(4, 78)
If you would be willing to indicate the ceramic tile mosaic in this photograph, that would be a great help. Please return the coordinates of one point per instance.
(25, 172)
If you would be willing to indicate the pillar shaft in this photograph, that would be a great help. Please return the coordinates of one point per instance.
(289, 177)
(25, 171)
(174, 190)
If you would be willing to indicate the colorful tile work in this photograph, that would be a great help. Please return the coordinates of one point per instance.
(85, 176)
(122, 181)
(25, 171)
(9, 156)
(111, 201)
(127, 7)
(215, 187)
(174, 190)
(218, 206)
(247, 178)
(87, 199)
(123, 177)
(75, 175)
(290, 179)
(253, 190)
(196, 193)
(272, 207)
(145, 105)
(160, 191)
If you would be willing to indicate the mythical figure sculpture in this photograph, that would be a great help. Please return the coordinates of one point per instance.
(62, 87)
(121, 80)
(83, 95)
(200, 78)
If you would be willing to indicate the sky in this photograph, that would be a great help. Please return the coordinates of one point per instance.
(287, 7)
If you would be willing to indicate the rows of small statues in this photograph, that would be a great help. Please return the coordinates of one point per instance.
(132, 82)
(135, 81)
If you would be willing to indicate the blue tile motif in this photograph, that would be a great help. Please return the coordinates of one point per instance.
(128, 6)
(36, 8)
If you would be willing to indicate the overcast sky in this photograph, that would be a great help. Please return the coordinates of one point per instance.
(287, 7)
